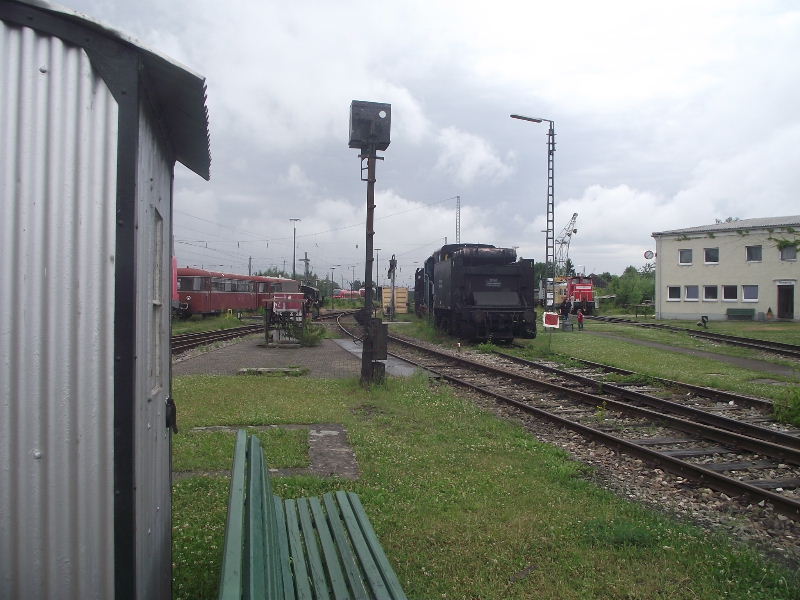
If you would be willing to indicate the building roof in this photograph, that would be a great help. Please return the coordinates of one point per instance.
(760, 223)
(179, 93)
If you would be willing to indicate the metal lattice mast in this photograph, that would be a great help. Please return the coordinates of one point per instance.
(458, 219)
(550, 251)
(551, 248)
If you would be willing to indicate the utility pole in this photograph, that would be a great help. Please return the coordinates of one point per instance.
(306, 260)
(249, 266)
(294, 246)
(392, 275)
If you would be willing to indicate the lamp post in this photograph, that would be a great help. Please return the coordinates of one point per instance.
(550, 252)
(333, 268)
(294, 246)
(378, 268)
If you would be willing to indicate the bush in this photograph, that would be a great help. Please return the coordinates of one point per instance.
(787, 409)
(308, 334)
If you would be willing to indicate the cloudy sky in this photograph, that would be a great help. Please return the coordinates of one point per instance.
(666, 115)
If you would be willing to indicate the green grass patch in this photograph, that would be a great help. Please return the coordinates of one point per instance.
(197, 323)
(465, 504)
(620, 352)
(787, 407)
(631, 379)
(213, 450)
(421, 328)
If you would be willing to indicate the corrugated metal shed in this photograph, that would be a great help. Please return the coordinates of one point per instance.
(57, 219)
(90, 128)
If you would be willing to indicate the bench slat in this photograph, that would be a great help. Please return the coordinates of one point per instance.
(312, 551)
(231, 574)
(389, 576)
(298, 561)
(348, 559)
(371, 571)
(283, 549)
(338, 584)
(256, 583)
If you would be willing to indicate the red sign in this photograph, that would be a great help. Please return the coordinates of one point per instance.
(550, 319)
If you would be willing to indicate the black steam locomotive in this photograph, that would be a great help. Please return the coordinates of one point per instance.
(477, 292)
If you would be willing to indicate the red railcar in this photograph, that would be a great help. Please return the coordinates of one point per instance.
(201, 292)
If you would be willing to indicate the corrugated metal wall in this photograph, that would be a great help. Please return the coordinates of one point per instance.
(58, 130)
(152, 438)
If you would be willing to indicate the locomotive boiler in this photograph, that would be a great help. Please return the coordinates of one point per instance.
(477, 292)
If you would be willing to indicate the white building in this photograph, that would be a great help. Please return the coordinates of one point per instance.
(737, 270)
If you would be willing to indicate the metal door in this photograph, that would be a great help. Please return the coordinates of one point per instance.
(786, 302)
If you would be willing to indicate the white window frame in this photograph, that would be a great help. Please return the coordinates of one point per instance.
(691, 256)
(735, 287)
(686, 297)
(789, 259)
(672, 287)
(749, 299)
(705, 298)
(753, 260)
(710, 262)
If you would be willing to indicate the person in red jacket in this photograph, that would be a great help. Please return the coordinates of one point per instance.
(580, 319)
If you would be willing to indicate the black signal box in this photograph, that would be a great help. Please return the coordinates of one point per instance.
(370, 124)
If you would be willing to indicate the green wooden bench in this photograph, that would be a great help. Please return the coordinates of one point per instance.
(740, 314)
(304, 548)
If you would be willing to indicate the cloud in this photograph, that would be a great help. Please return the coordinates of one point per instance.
(467, 157)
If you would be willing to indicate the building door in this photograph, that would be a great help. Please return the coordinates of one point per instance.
(786, 302)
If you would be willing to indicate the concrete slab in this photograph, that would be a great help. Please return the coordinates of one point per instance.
(394, 366)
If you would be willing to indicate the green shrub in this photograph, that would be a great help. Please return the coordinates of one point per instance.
(787, 409)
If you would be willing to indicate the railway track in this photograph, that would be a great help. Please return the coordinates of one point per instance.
(734, 453)
(790, 350)
(187, 341)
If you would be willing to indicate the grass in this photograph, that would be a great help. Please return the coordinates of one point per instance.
(648, 361)
(197, 323)
(465, 504)
(213, 450)
(422, 329)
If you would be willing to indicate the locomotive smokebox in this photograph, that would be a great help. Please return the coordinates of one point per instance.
(370, 124)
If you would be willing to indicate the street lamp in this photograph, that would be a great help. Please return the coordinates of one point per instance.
(550, 251)
(294, 245)
(377, 268)
(333, 268)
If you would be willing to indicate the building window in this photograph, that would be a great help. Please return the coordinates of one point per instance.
(753, 253)
(730, 293)
(673, 293)
(789, 253)
(691, 293)
(685, 256)
(711, 255)
(710, 292)
(749, 293)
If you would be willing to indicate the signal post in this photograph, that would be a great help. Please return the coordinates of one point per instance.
(370, 125)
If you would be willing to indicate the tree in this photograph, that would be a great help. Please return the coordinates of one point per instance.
(569, 268)
(633, 286)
